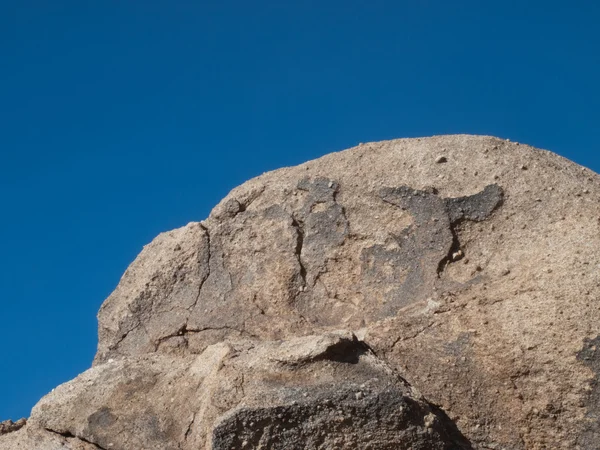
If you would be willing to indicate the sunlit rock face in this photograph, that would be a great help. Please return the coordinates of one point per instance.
(436, 293)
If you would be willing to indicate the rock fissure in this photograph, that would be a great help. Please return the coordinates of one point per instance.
(68, 435)
(298, 248)
(455, 253)
(184, 331)
(116, 344)
(201, 330)
(206, 264)
(189, 428)
(414, 335)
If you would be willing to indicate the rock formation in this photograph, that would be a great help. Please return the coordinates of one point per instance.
(437, 293)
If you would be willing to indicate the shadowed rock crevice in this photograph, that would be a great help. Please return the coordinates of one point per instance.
(340, 347)
(345, 351)
(454, 254)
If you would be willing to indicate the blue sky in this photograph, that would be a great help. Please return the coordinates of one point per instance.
(119, 120)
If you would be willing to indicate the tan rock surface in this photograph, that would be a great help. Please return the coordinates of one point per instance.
(466, 265)
(325, 391)
(35, 438)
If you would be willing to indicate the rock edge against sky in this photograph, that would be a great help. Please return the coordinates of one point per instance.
(418, 293)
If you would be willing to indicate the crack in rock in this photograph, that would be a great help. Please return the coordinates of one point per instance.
(298, 249)
(324, 225)
(204, 263)
(68, 435)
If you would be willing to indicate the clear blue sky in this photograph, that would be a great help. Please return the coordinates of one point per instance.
(122, 119)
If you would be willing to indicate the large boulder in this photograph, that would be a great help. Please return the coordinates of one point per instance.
(415, 293)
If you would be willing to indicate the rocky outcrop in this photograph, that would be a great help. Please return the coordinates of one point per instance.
(325, 391)
(418, 293)
(8, 426)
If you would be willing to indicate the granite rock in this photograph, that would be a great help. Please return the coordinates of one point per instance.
(372, 298)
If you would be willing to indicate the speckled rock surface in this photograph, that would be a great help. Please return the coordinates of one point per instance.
(313, 392)
(457, 271)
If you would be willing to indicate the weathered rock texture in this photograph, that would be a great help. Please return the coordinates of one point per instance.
(410, 294)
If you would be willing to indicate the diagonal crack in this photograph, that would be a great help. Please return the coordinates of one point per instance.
(412, 336)
(124, 336)
(69, 435)
(189, 428)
